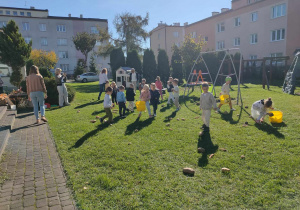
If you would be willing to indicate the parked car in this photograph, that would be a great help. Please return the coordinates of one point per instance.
(87, 77)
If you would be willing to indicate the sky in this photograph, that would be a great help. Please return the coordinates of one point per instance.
(167, 11)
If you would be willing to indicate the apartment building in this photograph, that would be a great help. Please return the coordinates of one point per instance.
(260, 28)
(52, 33)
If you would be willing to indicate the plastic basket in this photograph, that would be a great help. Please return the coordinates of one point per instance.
(140, 106)
(277, 117)
(224, 99)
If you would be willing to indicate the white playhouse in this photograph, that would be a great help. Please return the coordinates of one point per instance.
(123, 76)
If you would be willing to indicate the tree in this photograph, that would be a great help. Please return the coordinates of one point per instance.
(117, 60)
(176, 63)
(14, 51)
(84, 42)
(43, 59)
(163, 67)
(133, 60)
(93, 67)
(149, 65)
(79, 68)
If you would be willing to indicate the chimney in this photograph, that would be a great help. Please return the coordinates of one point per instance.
(186, 23)
(69, 15)
(215, 13)
(31, 7)
(224, 9)
(81, 16)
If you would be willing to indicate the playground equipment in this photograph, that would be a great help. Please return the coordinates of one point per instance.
(289, 84)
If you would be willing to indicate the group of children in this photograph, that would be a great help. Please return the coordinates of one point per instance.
(152, 94)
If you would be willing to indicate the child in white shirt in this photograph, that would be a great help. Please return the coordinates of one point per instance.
(259, 109)
(225, 91)
(176, 94)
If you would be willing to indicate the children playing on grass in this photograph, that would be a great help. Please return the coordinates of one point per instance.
(207, 101)
(259, 109)
(154, 98)
(115, 91)
(146, 96)
(141, 85)
(159, 86)
(225, 91)
(130, 97)
(107, 106)
(121, 101)
(176, 94)
(169, 88)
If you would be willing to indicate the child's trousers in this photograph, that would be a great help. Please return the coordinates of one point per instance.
(131, 105)
(154, 104)
(206, 116)
(171, 97)
(176, 102)
(122, 108)
(108, 114)
(148, 107)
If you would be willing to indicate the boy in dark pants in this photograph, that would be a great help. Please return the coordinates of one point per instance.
(154, 100)
(130, 97)
(107, 106)
(121, 101)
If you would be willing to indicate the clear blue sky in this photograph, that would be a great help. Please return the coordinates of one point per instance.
(168, 11)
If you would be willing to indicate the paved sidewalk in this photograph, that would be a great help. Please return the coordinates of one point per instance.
(33, 168)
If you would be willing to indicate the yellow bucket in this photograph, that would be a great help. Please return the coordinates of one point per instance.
(224, 99)
(140, 106)
(277, 117)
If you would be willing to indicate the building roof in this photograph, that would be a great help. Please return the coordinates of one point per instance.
(41, 10)
(77, 18)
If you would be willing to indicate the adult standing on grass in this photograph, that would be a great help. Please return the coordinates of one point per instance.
(37, 92)
(61, 87)
(102, 81)
(133, 78)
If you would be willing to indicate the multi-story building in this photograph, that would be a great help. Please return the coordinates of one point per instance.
(52, 33)
(260, 28)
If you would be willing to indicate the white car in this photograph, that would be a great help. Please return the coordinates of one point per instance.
(87, 77)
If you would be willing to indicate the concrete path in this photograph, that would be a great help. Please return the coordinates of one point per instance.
(34, 175)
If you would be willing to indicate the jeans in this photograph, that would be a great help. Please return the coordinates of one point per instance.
(62, 94)
(102, 86)
(37, 99)
(154, 104)
(148, 107)
(134, 85)
(122, 107)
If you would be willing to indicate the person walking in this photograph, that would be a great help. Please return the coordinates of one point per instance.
(61, 88)
(1, 85)
(102, 81)
(133, 78)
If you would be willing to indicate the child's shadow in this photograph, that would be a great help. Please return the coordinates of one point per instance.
(138, 125)
(228, 117)
(165, 108)
(205, 142)
(98, 112)
(269, 129)
(172, 115)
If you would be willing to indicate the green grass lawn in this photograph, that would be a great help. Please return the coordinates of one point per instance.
(114, 167)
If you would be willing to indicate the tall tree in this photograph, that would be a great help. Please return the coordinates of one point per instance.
(149, 65)
(133, 60)
(163, 67)
(176, 63)
(84, 42)
(43, 59)
(14, 51)
(93, 67)
(79, 68)
(117, 59)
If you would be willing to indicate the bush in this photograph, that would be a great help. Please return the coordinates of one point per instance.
(52, 91)
(45, 73)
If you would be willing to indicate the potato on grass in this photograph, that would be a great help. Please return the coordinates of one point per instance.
(225, 170)
(189, 171)
(201, 150)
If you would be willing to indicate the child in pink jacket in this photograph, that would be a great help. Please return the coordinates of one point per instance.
(159, 86)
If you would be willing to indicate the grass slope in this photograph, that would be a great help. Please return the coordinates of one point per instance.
(106, 171)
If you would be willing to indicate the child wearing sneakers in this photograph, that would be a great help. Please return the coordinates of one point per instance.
(107, 106)
(121, 101)
(169, 88)
(115, 91)
(146, 96)
(207, 101)
(225, 91)
(154, 100)
(176, 94)
(130, 97)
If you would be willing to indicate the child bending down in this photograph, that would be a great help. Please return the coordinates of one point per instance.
(259, 109)
(107, 105)
(225, 91)
(207, 101)
(146, 96)
(121, 100)
(154, 98)
(130, 97)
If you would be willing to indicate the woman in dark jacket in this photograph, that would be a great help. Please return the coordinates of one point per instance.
(154, 100)
(130, 97)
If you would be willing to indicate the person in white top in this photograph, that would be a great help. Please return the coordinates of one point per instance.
(133, 77)
(102, 81)
(259, 109)
(225, 91)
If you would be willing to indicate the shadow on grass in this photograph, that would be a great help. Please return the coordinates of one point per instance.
(228, 117)
(165, 108)
(138, 125)
(98, 112)
(172, 115)
(205, 142)
(99, 128)
(88, 104)
(87, 89)
(279, 125)
(192, 99)
(269, 129)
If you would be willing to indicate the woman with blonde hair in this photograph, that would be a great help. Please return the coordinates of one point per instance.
(37, 92)
(61, 87)
(102, 81)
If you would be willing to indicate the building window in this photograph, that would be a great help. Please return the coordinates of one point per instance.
(221, 27)
(44, 41)
(94, 30)
(237, 22)
(194, 35)
(254, 16)
(1, 12)
(237, 41)
(206, 38)
(27, 39)
(278, 35)
(279, 11)
(159, 46)
(61, 42)
(249, 1)
(29, 14)
(7, 12)
(42, 27)
(253, 57)
(220, 45)
(158, 35)
(2, 24)
(177, 44)
(176, 34)
(22, 13)
(253, 39)
(61, 28)
(15, 13)
(25, 26)
(275, 55)
(63, 54)
(64, 67)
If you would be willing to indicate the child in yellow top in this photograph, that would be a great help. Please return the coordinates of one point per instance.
(225, 91)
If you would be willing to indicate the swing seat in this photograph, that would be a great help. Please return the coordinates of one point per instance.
(277, 117)
(224, 99)
(140, 106)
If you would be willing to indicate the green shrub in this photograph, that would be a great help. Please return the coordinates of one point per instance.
(45, 73)
(52, 91)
